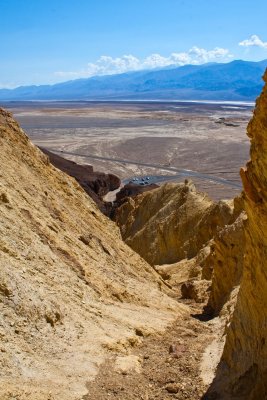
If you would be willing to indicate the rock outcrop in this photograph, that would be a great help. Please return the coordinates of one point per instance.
(70, 290)
(96, 184)
(226, 261)
(171, 223)
(131, 190)
(242, 372)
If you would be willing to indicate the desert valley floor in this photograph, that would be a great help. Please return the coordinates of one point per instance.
(146, 138)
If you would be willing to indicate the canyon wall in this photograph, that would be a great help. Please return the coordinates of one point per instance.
(242, 372)
(226, 261)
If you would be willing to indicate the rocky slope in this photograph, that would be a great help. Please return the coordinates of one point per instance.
(242, 372)
(70, 290)
(171, 223)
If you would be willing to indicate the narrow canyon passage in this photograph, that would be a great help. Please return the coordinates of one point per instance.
(165, 366)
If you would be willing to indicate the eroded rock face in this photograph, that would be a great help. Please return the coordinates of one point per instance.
(96, 184)
(226, 261)
(171, 223)
(196, 290)
(242, 372)
(70, 290)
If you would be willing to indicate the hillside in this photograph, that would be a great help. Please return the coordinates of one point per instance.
(237, 80)
(71, 291)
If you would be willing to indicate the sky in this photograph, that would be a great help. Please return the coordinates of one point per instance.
(49, 41)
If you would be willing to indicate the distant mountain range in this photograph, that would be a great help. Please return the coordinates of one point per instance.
(235, 81)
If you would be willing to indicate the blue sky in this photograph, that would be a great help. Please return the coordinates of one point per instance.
(48, 41)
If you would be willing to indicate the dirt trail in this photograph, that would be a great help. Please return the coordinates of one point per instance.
(163, 367)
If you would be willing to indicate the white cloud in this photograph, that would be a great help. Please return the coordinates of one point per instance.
(201, 56)
(254, 40)
(107, 65)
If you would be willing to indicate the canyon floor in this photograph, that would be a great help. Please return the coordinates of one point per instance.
(166, 366)
(204, 138)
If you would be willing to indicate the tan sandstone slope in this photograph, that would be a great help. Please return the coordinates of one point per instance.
(70, 290)
(171, 223)
(242, 372)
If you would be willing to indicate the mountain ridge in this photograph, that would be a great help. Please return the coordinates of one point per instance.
(237, 80)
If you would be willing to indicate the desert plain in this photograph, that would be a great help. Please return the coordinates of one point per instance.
(205, 142)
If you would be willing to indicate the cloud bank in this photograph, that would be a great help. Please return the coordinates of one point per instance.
(255, 41)
(107, 65)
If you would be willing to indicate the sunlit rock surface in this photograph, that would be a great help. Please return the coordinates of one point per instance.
(71, 291)
(242, 372)
(171, 223)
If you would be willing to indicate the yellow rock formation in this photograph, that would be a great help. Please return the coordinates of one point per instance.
(171, 223)
(70, 289)
(226, 261)
(242, 372)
